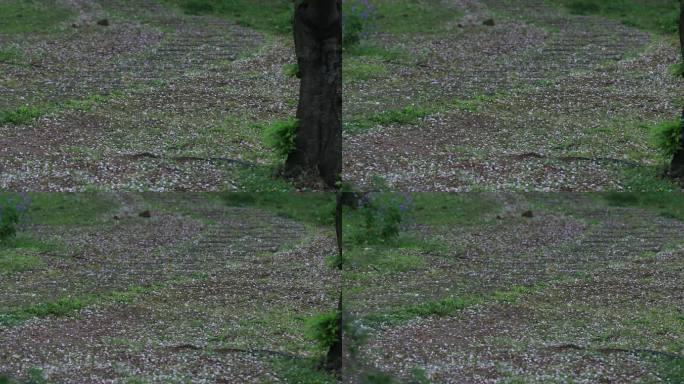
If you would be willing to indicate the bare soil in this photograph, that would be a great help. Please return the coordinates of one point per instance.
(221, 292)
(576, 92)
(602, 305)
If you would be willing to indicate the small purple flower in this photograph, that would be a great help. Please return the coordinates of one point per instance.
(10, 212)
(357, 20)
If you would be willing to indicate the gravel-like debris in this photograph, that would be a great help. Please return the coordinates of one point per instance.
(211, 294)
(603, 299)
(171, 101)
(543, 100)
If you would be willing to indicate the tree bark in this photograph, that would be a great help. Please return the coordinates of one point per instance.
(334, 357)
(318, 45)
(677, 165)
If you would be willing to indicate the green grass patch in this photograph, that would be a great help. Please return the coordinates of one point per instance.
(270, 16)
(442, 307)
(658, 16)
(413, 114)
(647, 179)
(280, 136)
(213, 140)
(324, 329)
(397, 262)
(10, 215)
(676, 70)
(453, 209)
(12, 55)
(31, 16)
(378, 377)
(368, 49)
(18, 260)
(356, 70)
(87, 104)
(449, 306)
(672, 370)
(84, 152)
(316, 209)
(476, 102)
(401, 254)
(69, 209)
(260, 179)
(26, 114)
(408, 115)
(67, 306)
(666, 136)
(662, 326)
(291, 69)
(264, 328)
(411, 16)
(59, 307)
(300, 371)
(365, 247)
(628, 135)
(419, 376)
(515, 293)
(377, 220)
(29, 245)
(659, 328)
(384, 260)
(33, 375)
(667, 204)
(21, 115)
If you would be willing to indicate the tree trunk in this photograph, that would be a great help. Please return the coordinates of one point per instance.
(334, 357)
(677, 165)
(318, 45)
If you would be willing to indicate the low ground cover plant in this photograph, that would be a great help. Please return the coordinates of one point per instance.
(280, 137)
(378, 217)
(666, 137)
(357, 21)
(11, 209)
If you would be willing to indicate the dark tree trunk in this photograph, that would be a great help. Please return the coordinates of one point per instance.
(677, 165)
(334, 359)
(318, 44)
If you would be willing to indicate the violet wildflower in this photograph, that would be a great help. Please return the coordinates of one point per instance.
(356, 21)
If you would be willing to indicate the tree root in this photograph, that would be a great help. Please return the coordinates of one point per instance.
(607, 350)
(191, 158)
(18, 64)
(268, 352)
(628, 163)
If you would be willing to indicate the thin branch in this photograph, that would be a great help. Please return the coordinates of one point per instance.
(190, 158)
(607, 350)
(629, 163)
(256, 351)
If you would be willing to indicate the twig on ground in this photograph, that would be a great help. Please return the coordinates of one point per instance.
(535, 155)
(190, 158)
(256, 351)
(607, 350)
